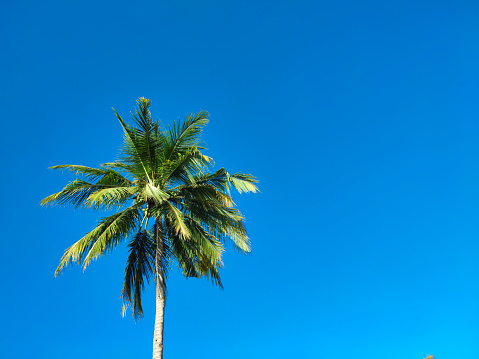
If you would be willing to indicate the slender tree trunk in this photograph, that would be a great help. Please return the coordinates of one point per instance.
(160, 294)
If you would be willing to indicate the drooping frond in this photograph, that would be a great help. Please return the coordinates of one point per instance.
(175, 218)
(105, 236)
(119, 227)
(199, 256)
(206, 198)
(211, 248)
(140, 267)
(222, 221)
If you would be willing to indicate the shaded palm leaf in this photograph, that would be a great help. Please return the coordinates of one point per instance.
(140, 266)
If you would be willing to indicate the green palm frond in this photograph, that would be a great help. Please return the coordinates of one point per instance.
(222, 221)
(184, 166)
(150, 139)
(204, 193)
(75, 193)
(239, 237)
(133, 151)
(195, 260)
(116, 164)
(115, 229)
(243, 182)
(89, 173)
(154, 194)
(78, 192)
(105, 236)
(222, 180)
(175, 217)
(212, 248)
(108, 198)
(140, 267)
(183, 135)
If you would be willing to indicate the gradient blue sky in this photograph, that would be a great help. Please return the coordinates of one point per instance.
(360, 118)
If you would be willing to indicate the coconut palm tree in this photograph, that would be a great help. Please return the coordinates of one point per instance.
(163, 176)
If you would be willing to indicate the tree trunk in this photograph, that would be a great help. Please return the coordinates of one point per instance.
(160, 293)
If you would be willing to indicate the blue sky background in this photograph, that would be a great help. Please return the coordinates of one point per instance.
(359, 118)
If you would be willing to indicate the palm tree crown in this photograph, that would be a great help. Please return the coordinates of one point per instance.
(160, 174)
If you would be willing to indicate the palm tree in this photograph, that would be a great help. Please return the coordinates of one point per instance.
(164, 176)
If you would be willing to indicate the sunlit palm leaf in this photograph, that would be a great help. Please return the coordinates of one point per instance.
(221, 180)
(76, 194)
(133, 152)
(243, 182)
(175, 217)
(109, 232)
(114, 229)
(184, 134)
(152, 193)
(109, 198)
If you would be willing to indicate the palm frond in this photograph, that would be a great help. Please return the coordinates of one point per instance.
(93, 174)
(221, 180)
(115, 229)
(120, 165)
(243, 182)
(75, 193)
(223, 222)
(109, 198)
(204, 193)
(211, 248)
(185, 134)
(174, 216)
(78, 192)
(193, 258)
(183, 168)
(140, 267)
(133, 153)
(152, 193)
(150, 138)
(109, 232)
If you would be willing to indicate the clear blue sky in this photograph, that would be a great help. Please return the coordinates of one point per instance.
(360, 118)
